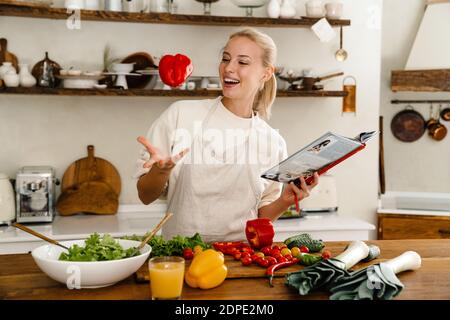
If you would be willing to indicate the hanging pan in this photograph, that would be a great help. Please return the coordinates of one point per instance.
(408, 125)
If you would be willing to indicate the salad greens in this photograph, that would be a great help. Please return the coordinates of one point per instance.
(98, 249)
(173, 247)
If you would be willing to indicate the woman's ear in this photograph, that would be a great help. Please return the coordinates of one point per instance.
(268, 73)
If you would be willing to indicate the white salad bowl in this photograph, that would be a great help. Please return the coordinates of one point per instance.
(95, 274)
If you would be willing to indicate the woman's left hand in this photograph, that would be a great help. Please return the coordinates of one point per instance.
(290, 190)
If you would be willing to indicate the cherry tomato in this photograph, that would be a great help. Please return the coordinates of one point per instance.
(289, 257)
(295, 251)
(277, 256)
(245, 255)
(188, 253)
(285, 251)
(276, 248)
(246, 261)
(283, 246)
(266, 251)
(274, 252)
(255, 256)
(326, 254)
(257, 260)
(247, 249)
(263, 262)
(304, 249)
(282, 259)
(237, 256)
(271, 260)
(260, 254)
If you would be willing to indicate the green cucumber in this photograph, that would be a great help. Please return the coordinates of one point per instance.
(306, 240)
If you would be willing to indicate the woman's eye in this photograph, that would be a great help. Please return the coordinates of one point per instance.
(243, 62)
(225, 59)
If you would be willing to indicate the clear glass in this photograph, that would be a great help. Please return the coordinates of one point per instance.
(166, 277)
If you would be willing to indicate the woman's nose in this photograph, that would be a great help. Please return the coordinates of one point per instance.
(229, 67)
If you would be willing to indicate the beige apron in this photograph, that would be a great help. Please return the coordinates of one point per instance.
(201, 203)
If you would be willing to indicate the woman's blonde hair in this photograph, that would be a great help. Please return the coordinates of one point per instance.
(266, 95)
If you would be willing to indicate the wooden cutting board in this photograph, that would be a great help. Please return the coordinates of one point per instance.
(89, 185)
(91, 168)
(235, 270)
(6, 56)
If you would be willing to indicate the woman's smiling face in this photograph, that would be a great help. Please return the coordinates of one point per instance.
(241, 70)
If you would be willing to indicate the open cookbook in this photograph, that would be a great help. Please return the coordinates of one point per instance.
(319, 156)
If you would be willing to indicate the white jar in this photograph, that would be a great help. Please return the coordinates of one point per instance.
(273, 9)
(113, 5)
(7, 200)
(287, 10)
(11, 79)
(92, 5)
(334, 10)
(26, 79)
(315, 9)
(74, 4)
(5, 68)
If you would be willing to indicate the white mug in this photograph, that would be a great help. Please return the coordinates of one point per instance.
(113, 5)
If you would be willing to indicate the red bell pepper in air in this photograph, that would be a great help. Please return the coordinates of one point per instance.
(259, 232)
(174, 70)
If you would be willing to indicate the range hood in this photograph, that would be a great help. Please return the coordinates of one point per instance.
(428, 65)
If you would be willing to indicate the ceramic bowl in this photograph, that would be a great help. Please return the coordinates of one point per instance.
(122, 67)
(72, 72)
(95, 274)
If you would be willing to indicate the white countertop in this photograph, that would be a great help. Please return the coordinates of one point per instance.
(139, 219)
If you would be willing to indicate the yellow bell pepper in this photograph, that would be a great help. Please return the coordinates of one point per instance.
(207, 270)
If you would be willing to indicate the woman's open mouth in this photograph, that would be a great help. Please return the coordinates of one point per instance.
(230, 82)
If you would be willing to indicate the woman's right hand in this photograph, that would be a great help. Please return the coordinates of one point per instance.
(162, 161)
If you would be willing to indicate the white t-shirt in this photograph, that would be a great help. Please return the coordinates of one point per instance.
(175, 129)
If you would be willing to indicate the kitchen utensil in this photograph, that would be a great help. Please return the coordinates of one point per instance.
(140, 61)
(7, 200)
(408, 125)
(309, 82)
(80, 82)
(437, 131)
(445, 114)
(207, 6)
(35, 194)
(88, 274)
(39, 235)
(154, 231)
(341, 55)
(45, 71)
(89, 184)
(376, 282)
(6, 56)
(349, 101)
(249, 5)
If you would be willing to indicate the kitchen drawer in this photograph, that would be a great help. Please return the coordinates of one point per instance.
(399, 226)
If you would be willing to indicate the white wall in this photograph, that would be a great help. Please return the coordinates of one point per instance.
(51, 130)
(421, 165)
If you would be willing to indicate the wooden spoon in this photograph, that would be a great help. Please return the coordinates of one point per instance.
(39, 235)
(164, 220)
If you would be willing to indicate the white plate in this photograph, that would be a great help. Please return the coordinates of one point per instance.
(94, 274)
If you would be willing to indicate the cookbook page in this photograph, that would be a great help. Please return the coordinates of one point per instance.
(320, 153)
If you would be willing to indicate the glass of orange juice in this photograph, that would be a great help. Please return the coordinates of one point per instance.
(166, 277)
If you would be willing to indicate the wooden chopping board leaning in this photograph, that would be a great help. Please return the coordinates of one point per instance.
(89, 185)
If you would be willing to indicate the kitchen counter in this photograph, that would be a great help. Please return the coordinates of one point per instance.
(20, 278)
(139, 219)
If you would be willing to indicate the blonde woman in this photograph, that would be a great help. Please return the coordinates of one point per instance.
(207, 155)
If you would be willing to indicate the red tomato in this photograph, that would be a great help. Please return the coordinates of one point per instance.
(289, 257)
(326, 254)
(263, 262)
(246, 261)
(237, 256)
(283, 246)
(275, 252)
(271, 260)
(257, 260)
(188, 253)
(304, 249)
(276, 256)
(282, 259)
(245, 255)
(276, 248)
(255, 256)
(266, 251)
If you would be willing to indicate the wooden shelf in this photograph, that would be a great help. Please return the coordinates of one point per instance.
(161, 18)
(154, 93)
